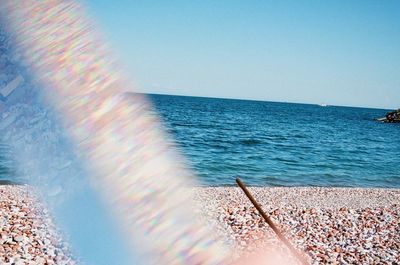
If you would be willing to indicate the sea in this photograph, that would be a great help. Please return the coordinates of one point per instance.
(276, 144)
(282, 144)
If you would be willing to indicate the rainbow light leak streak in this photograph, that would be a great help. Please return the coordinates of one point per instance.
(131, 164)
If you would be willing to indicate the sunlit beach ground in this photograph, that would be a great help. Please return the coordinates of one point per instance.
(329, 225)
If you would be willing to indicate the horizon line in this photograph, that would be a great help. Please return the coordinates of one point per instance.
(263, 100)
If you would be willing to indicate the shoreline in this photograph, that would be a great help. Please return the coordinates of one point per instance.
(329, 225)
(6, 182)
(305, 196)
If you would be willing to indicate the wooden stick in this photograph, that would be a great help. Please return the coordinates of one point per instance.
(270, 223)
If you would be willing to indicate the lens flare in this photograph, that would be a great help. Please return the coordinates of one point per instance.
(107, 132)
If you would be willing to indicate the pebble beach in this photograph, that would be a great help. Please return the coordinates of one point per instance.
(28, 234)
(328, 225)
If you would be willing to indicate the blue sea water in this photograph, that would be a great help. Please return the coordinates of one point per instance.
(283, 144)
(276, 144)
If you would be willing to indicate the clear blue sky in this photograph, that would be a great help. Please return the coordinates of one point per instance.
(332, 52)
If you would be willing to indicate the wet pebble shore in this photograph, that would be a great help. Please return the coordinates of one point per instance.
(328, 225)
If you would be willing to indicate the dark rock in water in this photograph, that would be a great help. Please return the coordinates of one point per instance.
(391, 117)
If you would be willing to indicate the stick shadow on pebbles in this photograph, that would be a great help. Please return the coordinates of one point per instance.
(27, 233)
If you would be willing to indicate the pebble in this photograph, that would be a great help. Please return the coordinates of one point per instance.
(328, 225)
(18, 238)
(27, 233)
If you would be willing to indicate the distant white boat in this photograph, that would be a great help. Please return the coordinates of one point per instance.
(323, 105)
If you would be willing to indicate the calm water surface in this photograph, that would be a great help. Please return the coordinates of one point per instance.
(276, 144)
(283, 144)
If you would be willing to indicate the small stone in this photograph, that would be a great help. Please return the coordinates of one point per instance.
(18, 238)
